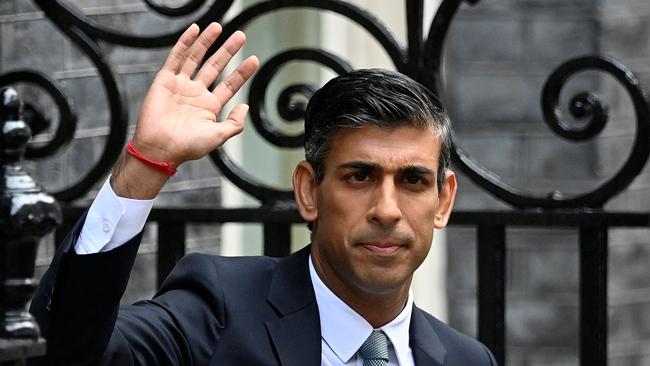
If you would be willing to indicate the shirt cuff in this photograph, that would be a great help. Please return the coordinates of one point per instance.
(111, 221)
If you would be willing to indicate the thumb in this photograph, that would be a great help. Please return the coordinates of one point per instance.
(233, 125)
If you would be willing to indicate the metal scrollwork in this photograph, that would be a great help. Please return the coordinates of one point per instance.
(66, 16)
(67, 117)
(434, 43)
(118, 112)
(420, 58)
(260, 83)
(290, 102)
(290, 105)
(583, 105)
(185, 9)
(291, 112)
(85, 33)
(357, 15)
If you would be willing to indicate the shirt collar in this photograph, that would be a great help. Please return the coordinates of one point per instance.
(344, 330)
(398, 331)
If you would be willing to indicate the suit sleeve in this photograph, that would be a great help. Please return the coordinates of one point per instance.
(77, 308)
(490, 356)
(181, 325)
(77, 301)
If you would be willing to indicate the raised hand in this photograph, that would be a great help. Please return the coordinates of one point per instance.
(178, 119)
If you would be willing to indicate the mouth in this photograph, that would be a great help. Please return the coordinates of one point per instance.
(384, 249)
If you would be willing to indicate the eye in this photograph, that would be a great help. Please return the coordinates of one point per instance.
(415, 182)
(415, 179)
(359, 176)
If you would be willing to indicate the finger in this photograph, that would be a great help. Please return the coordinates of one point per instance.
(233, 125)
(213, 67)
(230, 85)
(178, 54)
(200, 47)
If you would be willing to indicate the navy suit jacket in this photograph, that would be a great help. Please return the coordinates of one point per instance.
(211, 310)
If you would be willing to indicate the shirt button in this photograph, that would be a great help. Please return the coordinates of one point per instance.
(106, 226)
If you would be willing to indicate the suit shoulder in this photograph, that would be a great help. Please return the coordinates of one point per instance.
(234, 262)
(216, 269)
(207, 279)
(461, 348)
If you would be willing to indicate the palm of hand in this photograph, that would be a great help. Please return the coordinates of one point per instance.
(178, 119)
(181, 112)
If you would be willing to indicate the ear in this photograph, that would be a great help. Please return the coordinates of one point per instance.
(305, 190)
(446, 199)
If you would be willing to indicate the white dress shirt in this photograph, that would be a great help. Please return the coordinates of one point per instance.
(343, 330)
(114, 220)
(111, 221)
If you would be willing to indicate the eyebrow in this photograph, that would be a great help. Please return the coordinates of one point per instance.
(417, 169)
(359, 165)
(365, 166)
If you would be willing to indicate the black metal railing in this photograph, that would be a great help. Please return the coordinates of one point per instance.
(421, 59)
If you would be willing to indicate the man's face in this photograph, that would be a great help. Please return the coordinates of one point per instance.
(377, 207)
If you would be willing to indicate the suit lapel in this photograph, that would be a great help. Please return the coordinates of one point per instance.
(296, 333)
(425, 344)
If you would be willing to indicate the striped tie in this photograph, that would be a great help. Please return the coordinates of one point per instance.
(374, 351)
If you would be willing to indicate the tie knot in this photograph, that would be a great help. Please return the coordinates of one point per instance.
(374, 350)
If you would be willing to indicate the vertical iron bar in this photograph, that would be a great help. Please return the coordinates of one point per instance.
(491, 254)
(171, 247)
(593, 295)
(277, 239)
(414, 20)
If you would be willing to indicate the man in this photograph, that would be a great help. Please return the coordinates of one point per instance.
(373, 187)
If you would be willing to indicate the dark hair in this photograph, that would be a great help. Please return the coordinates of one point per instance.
(372, 97)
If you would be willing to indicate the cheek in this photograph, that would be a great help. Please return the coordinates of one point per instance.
(421, 220)
(341, 208)
(331, 223)
(421, 212)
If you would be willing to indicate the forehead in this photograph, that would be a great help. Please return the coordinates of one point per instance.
(396, 147)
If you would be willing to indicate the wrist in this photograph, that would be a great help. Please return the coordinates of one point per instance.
(134, 179)
(164, 167)
(154, 153)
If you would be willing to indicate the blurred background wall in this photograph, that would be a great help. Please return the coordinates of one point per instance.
(498, 54)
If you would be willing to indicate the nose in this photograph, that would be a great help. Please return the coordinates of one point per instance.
(385, 209)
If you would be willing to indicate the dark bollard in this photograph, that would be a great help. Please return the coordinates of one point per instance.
(27, 213)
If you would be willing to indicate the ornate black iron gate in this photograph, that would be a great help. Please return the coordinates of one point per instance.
(421, 59)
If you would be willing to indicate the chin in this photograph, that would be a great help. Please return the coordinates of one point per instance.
(383, 287)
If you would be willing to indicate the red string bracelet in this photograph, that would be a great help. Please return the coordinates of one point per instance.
(161, 166)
